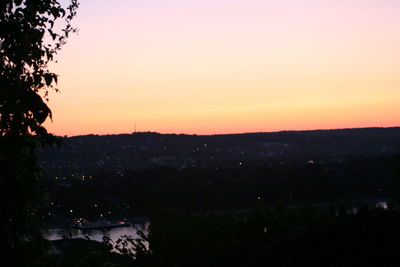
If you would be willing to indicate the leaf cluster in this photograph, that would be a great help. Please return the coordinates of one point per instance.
(29, 41)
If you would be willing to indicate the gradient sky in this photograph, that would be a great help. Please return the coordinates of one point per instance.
(220, 66)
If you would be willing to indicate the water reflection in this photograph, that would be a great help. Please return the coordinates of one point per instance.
(96, 235)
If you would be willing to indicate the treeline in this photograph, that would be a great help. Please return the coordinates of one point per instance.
(138, 193)
(332, 236)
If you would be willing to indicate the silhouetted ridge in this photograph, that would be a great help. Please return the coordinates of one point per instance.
(143, 150)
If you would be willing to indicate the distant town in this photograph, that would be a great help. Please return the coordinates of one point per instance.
(83, 155)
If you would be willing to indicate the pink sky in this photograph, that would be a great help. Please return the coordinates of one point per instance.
(218, 66)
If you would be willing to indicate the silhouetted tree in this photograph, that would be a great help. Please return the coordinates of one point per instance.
(30, 37)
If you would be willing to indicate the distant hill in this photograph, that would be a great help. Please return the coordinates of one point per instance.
(85, 154)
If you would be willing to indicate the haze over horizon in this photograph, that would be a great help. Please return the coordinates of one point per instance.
(217, 67)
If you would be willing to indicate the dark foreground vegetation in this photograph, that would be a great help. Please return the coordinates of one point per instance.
(338, 235)
(306, 237)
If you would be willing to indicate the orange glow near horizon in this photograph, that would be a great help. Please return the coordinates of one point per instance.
(215, 67)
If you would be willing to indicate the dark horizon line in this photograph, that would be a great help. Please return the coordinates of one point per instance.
(242, 133)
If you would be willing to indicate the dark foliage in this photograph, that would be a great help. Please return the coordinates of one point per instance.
(335, 236)
(25, 80)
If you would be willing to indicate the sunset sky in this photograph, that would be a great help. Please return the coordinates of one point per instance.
(229, 66)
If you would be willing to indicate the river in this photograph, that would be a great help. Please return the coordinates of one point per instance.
(96, 235)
